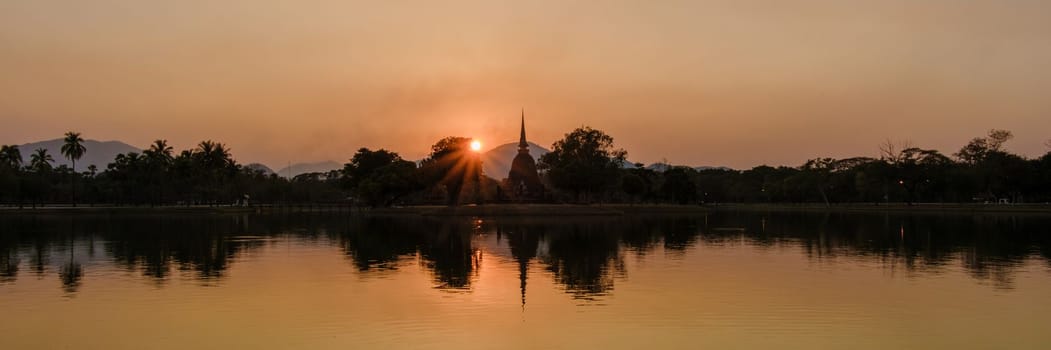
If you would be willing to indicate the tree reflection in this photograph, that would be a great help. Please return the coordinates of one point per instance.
(8, 262)
(70, 274)
(377, 243)
(583, 258)
(989, 247)
(584, 255)
(448, 253)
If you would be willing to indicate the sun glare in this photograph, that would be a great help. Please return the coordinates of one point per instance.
(476, 145)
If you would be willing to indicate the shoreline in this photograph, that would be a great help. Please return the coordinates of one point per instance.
(550, 210)
(953, 208)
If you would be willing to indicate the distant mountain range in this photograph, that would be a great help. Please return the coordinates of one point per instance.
(102, 153)
(662, 167)
(496, 162)
(260, 167)
(99, 153)
(303, 168)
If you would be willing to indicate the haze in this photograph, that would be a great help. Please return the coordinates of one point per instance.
(735, 83)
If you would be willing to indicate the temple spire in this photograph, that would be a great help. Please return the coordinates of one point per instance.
(522, 144)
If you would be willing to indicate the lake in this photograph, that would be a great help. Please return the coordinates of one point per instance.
(721, 280)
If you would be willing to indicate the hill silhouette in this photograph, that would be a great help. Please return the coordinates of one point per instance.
(662, 167)
(303, 168)
(496, 162)
(260, 167)
(99, 153)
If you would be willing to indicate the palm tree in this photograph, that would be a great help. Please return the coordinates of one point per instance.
(73, 149)
(10, 156)
(159, 149)
(10, 166)
(40, 165)
(214, 162)
(40, 161)
(158, 160)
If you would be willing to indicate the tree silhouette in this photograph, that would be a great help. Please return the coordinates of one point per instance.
(583, 162)
(980, 147)
(40, 160)
(633, 185)
(10, 172)
(212, 161)
(73, 148)
(380, 177)
(679, 186)
(10, 156)
(452, 164)
(158, 161)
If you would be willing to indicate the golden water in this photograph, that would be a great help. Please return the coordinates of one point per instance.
(724, 280)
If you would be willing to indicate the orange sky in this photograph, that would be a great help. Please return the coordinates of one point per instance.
(736, 83)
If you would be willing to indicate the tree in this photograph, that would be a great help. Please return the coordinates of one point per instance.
(679, 186)
(10, 156)
(40, 165)
(980, 147)
(889, 151)
(452, 164)
(160, 150)
(40, 160)
(388, 183)
(10, 172)
(158, 161)
(364, 163)
(633, 185)
(214, 167)
(73, 148)
(380, 177)
(583, 162)
(818, 172)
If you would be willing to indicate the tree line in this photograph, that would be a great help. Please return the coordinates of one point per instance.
(583, 167)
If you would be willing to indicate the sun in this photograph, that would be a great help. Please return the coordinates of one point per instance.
(476, 145)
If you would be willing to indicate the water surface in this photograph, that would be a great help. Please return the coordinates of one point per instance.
(722, 280)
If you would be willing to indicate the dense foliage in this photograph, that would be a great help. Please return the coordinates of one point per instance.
(584, 162)
(583, 167)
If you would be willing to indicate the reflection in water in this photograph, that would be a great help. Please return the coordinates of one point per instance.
(8, 265)
(524, 244)
(447, 252)
(70, 274)
(584, 255)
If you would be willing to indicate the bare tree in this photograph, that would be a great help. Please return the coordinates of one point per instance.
(891, 152)
(997, 138)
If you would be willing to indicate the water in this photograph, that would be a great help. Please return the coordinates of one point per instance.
(722, 280)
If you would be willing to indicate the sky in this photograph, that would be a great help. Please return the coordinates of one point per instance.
(735, 83)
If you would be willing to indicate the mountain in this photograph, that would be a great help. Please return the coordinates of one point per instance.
(496, 163)
(99, 153)
(260, 167)
(662, 167)
(704, 167)
(303, 168)
(659, 167)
